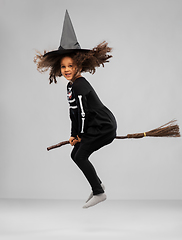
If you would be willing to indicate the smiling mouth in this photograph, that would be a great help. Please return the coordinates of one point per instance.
(68, 74)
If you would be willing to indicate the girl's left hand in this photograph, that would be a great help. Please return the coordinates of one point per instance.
(79, 139)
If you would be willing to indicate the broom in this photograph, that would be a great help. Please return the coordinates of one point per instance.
(170, 129)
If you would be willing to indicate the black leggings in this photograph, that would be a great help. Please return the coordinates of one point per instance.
(80, 155)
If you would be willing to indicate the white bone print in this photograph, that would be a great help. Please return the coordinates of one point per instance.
(82, 112)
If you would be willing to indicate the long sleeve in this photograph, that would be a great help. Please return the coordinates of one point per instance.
(80, 90)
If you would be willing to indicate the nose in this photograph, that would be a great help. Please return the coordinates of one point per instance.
(66, 69)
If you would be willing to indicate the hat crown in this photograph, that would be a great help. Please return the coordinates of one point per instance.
(68, 38)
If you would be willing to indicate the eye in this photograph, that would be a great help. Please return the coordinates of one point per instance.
(62, 66)
(70, 65)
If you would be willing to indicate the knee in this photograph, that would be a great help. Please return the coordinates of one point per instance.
(78, 159)
(75, 157)
(80, 156)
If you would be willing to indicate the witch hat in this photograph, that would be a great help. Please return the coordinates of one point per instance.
(69, 42)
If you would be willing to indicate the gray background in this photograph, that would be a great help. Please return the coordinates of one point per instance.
(141, 85)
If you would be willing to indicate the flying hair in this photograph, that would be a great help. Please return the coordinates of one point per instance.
(87, 61)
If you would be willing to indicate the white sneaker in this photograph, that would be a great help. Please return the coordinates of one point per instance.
(95, 200)
(91, 195)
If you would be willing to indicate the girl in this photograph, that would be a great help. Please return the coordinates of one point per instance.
(92, 124)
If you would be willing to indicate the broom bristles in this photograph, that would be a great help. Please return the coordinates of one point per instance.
(170, 129)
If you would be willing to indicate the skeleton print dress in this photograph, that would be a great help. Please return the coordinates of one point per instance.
(90, 119)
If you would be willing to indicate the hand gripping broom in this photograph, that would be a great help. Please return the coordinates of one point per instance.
(170, 129)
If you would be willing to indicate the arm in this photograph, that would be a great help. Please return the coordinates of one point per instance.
(81, 92)
(82, 114)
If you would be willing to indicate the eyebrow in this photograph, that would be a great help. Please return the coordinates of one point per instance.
(68, 64)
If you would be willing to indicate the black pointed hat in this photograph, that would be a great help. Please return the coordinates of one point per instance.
(68, 41)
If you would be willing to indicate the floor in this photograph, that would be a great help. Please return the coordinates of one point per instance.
(67, 220)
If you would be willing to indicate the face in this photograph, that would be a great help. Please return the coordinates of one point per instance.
(68, 69)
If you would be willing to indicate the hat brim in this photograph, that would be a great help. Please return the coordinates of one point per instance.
(60, 52)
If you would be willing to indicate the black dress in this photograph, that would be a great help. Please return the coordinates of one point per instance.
(93, 122)
(90, 119)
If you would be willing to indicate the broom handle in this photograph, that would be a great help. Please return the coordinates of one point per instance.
(67, 142)
(58, 145)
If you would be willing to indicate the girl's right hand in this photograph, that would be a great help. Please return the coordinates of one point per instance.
(73, 141)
